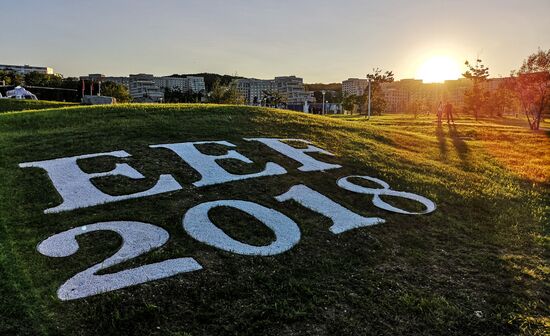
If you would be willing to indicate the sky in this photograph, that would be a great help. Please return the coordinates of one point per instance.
(320, 41)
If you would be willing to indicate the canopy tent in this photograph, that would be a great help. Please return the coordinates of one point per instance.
(20, 93)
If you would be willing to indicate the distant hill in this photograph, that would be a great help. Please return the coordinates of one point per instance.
(210, 78)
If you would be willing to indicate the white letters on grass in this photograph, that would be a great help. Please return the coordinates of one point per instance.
(199, 226)
(137, 239)
(308, 163)
(206, 165)
(342, 218)
(385, 191)
(77, 191)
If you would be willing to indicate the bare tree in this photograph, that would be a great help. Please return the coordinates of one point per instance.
(532, 86)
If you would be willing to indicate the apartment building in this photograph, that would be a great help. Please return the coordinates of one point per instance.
(192, 83)
(195, 84)
(189, 83)
(399, 95)
(145, 91)
(354, 86)
(292, 90)
(25, 69)
(252, 89)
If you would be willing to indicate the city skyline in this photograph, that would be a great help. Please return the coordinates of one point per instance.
(319, 41)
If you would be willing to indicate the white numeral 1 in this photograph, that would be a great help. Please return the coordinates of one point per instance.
(342, 218)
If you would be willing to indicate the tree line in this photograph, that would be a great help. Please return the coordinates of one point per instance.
(57, 88)
(527, 88)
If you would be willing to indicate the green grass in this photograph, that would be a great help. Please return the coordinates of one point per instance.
(484, 249)
(11, 105)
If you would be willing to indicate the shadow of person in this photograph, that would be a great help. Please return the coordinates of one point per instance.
(460, 145)
(442, 142)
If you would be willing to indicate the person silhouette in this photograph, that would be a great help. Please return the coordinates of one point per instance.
(439, 112)
(449, 112)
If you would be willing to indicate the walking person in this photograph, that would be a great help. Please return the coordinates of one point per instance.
(439, 112)
(449, 112)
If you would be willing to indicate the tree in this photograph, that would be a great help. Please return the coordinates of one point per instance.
(419, 106)
(45, 80)
(532, 86)
(476, 97)
(500, 100)
(178, 96)
(378, 102)
(272, 98)
(225, 94)
(10, 78)
(351, 101)
(117, 91)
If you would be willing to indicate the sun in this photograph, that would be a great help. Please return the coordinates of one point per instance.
(438, 69)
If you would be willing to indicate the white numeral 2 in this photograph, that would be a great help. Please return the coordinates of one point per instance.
(138, 238)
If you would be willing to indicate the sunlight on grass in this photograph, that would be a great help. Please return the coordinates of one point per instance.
(476, 262)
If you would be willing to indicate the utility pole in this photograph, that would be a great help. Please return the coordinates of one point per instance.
(323, 92)
(368, 117)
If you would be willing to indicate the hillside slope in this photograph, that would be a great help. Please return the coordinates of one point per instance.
(474, 266)
(12, 105)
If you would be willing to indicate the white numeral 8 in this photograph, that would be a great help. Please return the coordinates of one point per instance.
(386, 191)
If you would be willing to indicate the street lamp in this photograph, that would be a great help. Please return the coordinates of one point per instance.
(323, 92)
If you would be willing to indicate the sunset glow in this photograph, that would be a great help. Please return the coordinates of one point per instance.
(438, 69)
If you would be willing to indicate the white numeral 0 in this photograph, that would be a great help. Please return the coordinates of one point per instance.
(138, 238)
(199, 226)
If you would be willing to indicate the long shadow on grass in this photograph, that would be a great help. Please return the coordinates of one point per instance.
(460, 145)
(442, 142)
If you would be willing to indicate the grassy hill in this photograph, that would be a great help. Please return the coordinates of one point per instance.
(478, 265)
(12, 105)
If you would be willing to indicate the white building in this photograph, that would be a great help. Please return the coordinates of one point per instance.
(252, 90)
(190, 83)
(354, 86)
(195, 84)
(147, 87)
(145, 91)
(25, 69)
(292, 89)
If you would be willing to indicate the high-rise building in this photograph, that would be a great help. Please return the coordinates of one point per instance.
(400, 93)
(147, 87)
(292, 90)
(354, 86)
(253, 90)
(144, 88)
(195, 84)
(189, 83)
(145, 91)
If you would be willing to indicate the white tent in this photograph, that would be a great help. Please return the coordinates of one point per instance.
(20, 93)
